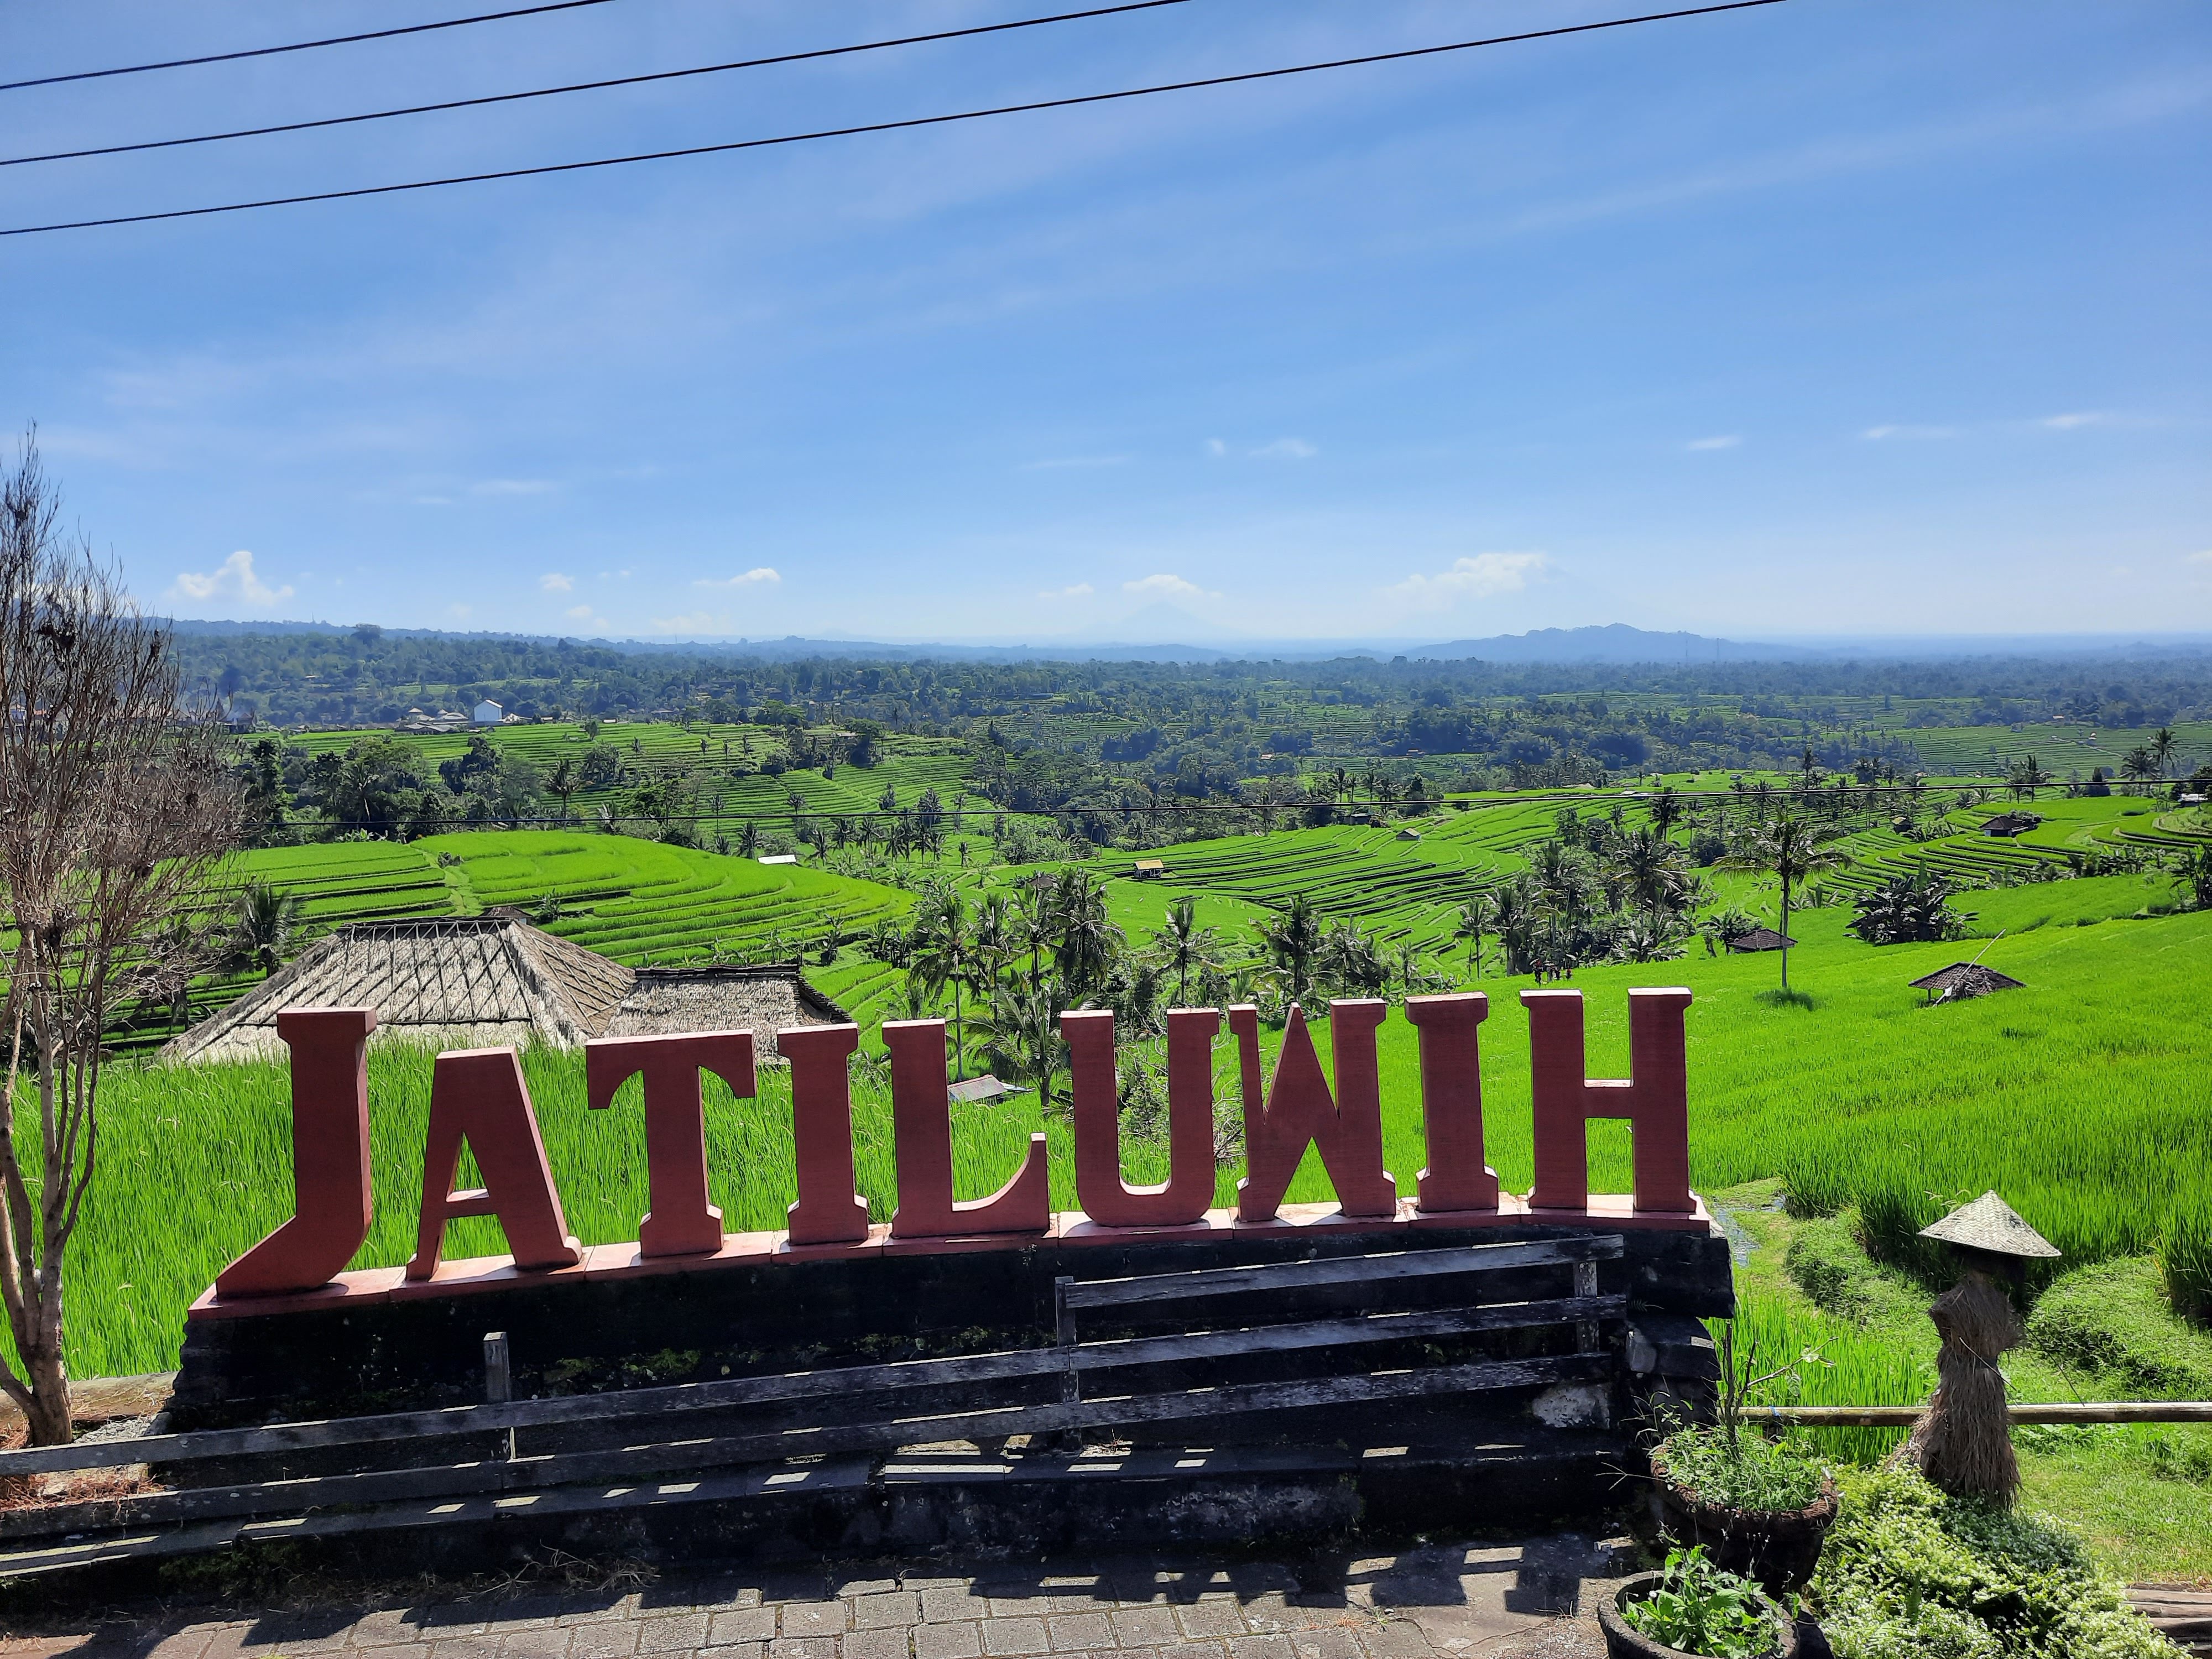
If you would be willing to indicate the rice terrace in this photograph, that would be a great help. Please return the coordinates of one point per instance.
(1162, 830)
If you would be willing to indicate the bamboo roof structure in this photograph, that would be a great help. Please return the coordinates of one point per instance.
(493, 980)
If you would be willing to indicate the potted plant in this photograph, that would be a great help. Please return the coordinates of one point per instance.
(1761, 1507)
(1693, 1605)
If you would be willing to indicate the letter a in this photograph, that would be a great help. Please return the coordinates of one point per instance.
(921, 1130)
(681, 1222)
(1106, 1198)
(1347, 1130)
(332, 1202)
(477, 1096)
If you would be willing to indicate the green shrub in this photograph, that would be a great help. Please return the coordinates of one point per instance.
(1827, 1264)
(1911, 1574)
(2113, 1317)
(1743, 1472)
(2185, 1252)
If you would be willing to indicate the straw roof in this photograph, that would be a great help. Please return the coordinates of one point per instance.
(761, 1000)
(479, 981)
(1759, 939)
(1990, 1224)
(1965, 979)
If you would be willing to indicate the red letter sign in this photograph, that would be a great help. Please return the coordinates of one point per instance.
(1348, 1129)
(477, 1095)
(921, 1127)
(1451, 1103)
(1106, 1198)
(1655, 1099)
(681, 1222)
(331, 1200)
(829, 1211)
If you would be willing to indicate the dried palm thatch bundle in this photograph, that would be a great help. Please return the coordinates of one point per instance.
(1964, 1443)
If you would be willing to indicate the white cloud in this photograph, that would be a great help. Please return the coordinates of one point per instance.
(1079, 591)
(1216, 448)
(1286, 449)
(233, 579)
(554, 582)
(584, 613)
(1476, 578)
(513, 486)
(459, 611)
(2084, 417)
(1164, 587)
(1729, 441)
(746, 579)
(697, 621)
(2202, 557)
(1878, 433)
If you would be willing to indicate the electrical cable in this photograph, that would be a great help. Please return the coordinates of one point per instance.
(299, 45)
(908, 123)
(590, 86)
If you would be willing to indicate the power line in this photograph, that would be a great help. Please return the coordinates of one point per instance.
(591, 86)
(298, 45)
(908, 123)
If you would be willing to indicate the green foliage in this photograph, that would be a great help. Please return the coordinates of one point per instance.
(1826, 1261)
(1745, 1471)
(2113, 1317)
(1697, 1607)
(1908, 1573)
(1906, 909)
(2185, 1250)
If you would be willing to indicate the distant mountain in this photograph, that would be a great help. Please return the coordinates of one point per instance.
(1615, 642)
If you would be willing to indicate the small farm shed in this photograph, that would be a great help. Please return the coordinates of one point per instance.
(1759, 939)
(1963, 979)
(980, 1090)
(488, 713)
(475, 981)
(2010, 824)
(1149, 869)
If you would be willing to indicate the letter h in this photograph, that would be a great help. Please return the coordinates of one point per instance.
(1654, 1098)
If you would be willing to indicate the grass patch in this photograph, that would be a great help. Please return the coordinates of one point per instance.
(2113, 1317)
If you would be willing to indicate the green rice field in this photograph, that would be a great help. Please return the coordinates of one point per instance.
(2086, 1097)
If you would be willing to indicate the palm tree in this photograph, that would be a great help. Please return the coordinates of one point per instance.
(267, 920)
(944, 954)
(1088, 936)
(1649, 869)
(1021, 1034)
(1790, 849)
(2162, 747)
(1293, 939)
(563, 782)
(1183, 945)
(2026, 778)
(1474, 919)
(1665, 809)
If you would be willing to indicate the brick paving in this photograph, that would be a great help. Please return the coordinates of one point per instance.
(1531, 1600)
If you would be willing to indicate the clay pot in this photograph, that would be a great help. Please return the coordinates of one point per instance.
(1622, 1643)
(1779, 1548)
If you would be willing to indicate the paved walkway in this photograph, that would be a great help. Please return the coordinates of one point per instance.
(1527, 1601)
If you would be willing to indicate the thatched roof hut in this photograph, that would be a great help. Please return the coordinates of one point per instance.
(1965, 979)
(1759, 939)
(477, 981)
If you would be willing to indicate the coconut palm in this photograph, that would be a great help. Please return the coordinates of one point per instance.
(1790, 849)
(268, 919)
(1183, 947)
(1020, 1031)
(1088, 937)
(1293, 939)
(2162, 746)
(944, 955)
(1474, 920)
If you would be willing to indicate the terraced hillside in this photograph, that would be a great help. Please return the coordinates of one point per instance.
(722, 762)
(640, 902)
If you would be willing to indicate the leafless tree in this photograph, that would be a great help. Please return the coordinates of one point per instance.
(115, 814)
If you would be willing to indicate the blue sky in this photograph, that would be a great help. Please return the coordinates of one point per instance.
(1834, 316)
